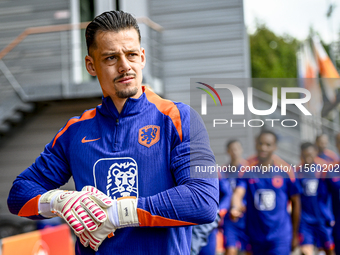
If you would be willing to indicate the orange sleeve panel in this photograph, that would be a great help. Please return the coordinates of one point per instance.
(30, 208)
(244, 162)
(331, 154)
(320, 161)
(166, 107)
(147, 220)
(252, 160)
(86, 115)
(278, 161)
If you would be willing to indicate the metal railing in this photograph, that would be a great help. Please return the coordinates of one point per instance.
(37, 64)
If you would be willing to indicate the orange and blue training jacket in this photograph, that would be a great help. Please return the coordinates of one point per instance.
(146, 151)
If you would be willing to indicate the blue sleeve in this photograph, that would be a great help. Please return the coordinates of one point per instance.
(241, 182)
(50, 171)
(225, 194)
(194, 200)
(293, 187)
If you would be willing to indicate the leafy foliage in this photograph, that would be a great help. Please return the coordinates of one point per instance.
(272, 56)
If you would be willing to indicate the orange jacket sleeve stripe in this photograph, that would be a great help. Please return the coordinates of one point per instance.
(86, 115)
(147, 220)
(30, 208)
(167, 107)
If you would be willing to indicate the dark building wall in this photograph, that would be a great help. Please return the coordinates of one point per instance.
(20, 149)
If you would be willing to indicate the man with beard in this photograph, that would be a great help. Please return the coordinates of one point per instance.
(136, 148)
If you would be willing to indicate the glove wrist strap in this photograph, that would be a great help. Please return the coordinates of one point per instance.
(127, 212)
(46, 203)
(123, 213)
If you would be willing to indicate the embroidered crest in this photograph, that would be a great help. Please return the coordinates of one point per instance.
(149, 135)
(277, 182)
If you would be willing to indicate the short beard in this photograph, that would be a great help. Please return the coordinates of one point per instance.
(127, 92)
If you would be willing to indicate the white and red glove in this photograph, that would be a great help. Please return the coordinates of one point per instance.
(122, 213)
(82, 210)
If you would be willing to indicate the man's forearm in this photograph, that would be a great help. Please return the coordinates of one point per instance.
(195, 202)
(296, 213)
(236, 199)
(23, 198)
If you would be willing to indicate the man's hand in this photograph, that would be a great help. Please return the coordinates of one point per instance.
(295, 241)
(105, 228)
(296, 213)
(236, 213)
(237, 206)
(95, 238)
(81, 210)
(122, 213)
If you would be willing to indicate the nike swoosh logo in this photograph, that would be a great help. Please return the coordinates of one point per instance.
(87, 141)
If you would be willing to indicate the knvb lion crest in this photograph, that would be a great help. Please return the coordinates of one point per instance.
(122, 178)
(310, 187)
(265, 199)
(149, 135)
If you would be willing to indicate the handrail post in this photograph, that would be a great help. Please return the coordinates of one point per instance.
(14, 83)
(65, 75)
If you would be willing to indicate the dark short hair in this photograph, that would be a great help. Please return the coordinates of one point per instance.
(265, 132)
(230, 142)
(306, 145)
(109, 21)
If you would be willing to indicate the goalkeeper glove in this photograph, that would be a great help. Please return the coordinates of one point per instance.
(81, 210)
(122, 213)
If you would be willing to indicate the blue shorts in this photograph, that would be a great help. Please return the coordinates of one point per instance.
(271, 247)
(318, 235)
(235, 237)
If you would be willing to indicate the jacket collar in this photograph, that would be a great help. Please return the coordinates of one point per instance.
(131, 107)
